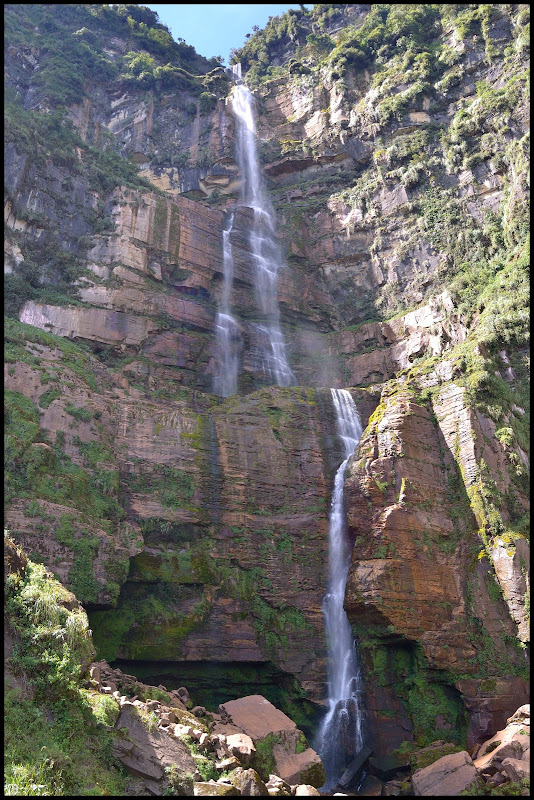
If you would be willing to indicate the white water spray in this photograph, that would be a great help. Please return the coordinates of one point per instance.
(267, 260)
(226, 329)
(340, 736)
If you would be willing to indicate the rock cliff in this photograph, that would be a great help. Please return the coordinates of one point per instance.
(194, 529)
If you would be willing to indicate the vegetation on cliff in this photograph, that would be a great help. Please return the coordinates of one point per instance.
(394, 143)
(56, 738)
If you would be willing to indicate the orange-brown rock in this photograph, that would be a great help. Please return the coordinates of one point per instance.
(416, 546)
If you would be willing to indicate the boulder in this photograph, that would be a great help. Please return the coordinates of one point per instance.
(94, 673)
(516, 769)
(298, 767)
(522, 714)
(266, 724)
(205, 789)
(257, 717)
(228, 764)
(305, 790)
(183, 730)
(249, 783)
(371, 787)
(277, 787)
(508, 743)
(144, 753)
(449, 775)
(242, 747)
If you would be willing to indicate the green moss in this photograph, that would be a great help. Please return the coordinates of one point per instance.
(173, 487)
(263, 760)
(18, 334)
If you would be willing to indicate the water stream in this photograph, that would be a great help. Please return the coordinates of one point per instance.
(269, 347)
(227, 334)
(340, 737)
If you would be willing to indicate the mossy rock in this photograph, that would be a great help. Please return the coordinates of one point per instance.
(313, 775)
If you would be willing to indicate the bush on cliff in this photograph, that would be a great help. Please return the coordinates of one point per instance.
(55, 744)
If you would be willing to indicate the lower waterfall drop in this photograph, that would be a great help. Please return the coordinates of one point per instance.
(340, 737)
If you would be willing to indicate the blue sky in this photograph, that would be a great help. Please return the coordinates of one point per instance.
(215, 28)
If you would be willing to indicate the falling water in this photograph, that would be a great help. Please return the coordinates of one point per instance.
(264, 249)
(226, 329)
(340, 736)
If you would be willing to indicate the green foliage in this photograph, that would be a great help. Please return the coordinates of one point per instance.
(52, 642)
(208, 101)
(480, 788)
(174, 487)
(52, 137)
(384, 27)
(54, 743)
(72, 355)
(48, 397)
(81, 414)
(180, 783)
(263, 760)
(34, 470)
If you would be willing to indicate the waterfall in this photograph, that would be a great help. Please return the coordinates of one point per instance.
(226, 329)
(266, 256)
(340, 735)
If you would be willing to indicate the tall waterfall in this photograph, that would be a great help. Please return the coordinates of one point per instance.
(266, 256)
(226, 329)
(340, 736)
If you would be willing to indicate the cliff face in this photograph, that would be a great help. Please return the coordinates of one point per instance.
(394, 144)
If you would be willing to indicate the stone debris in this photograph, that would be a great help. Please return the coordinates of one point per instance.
(204, 741)
(212, 789)
(146, 748)
(227, 764)
(231, 736)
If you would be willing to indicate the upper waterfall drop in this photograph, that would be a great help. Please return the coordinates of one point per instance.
(271, 358)
(340, 736)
